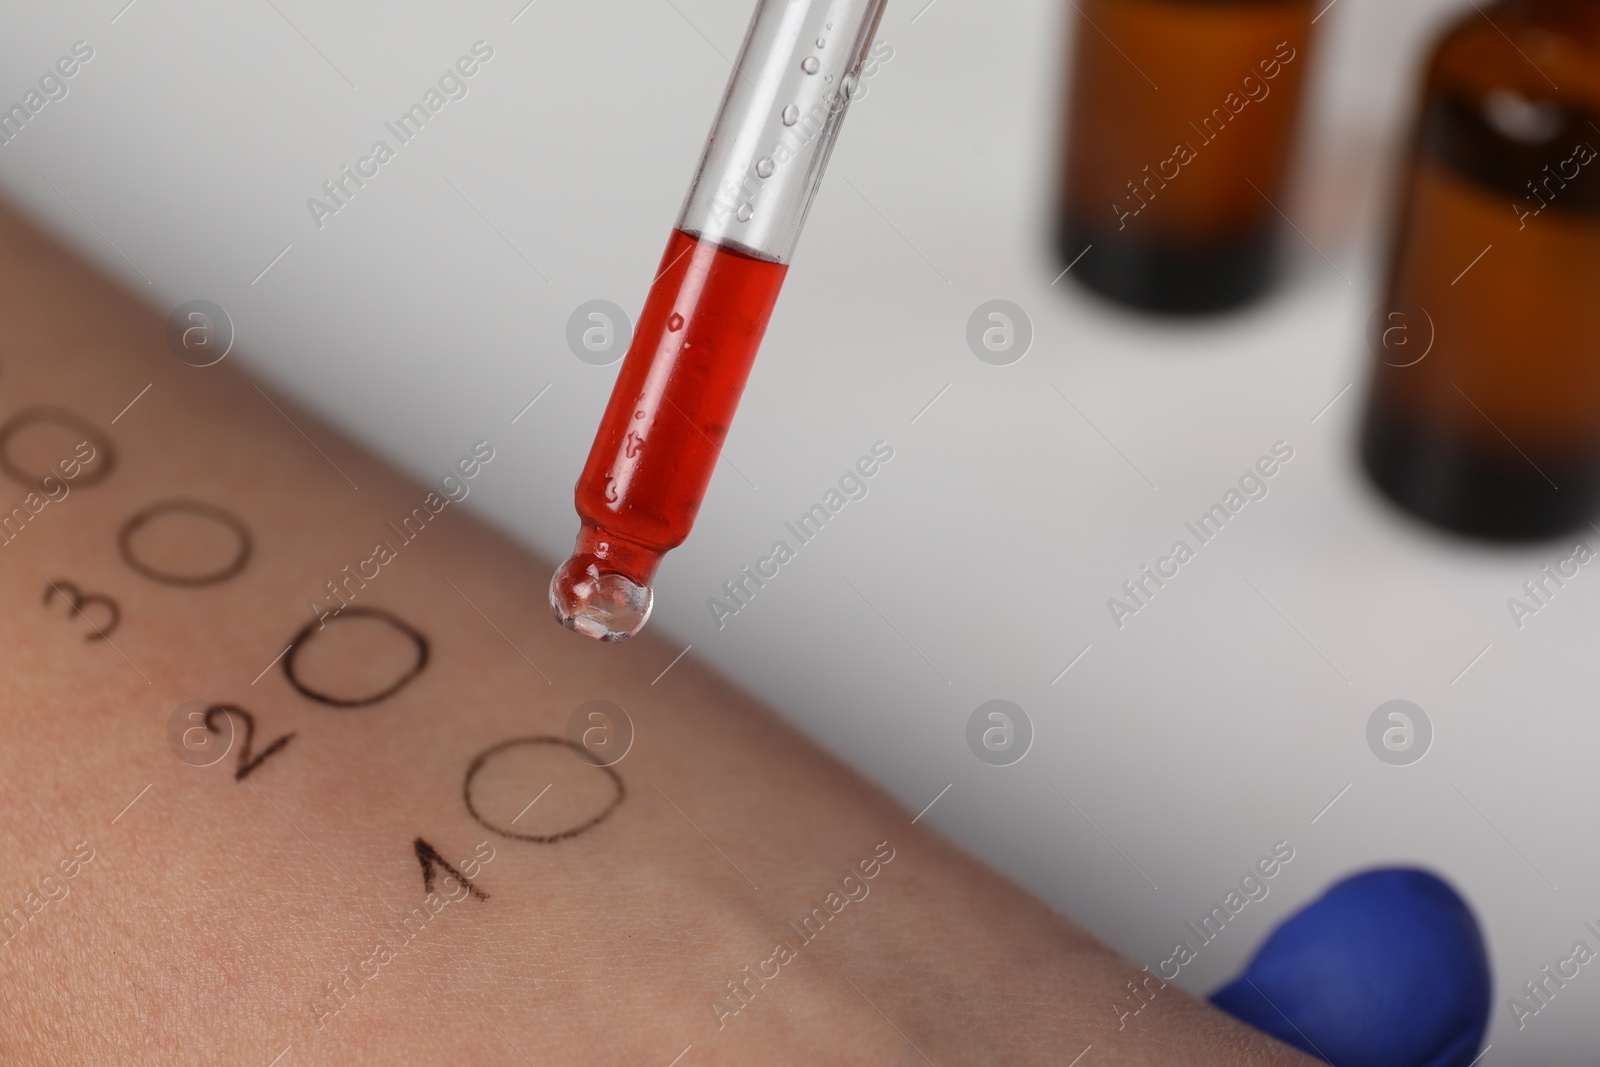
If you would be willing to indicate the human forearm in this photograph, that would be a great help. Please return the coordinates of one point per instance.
(232, 911)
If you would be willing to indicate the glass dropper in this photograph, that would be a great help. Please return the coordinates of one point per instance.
(708, 307)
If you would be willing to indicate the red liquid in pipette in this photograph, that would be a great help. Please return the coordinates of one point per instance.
(663, 428)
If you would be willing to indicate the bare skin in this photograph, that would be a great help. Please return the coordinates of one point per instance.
(226, 919)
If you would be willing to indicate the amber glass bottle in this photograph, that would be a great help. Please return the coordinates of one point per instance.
(1180, 122)
(1484, 408)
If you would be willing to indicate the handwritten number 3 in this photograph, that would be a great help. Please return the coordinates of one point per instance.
(77, 601)
(245, 764)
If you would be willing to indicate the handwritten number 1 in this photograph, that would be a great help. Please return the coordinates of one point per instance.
(429, 857)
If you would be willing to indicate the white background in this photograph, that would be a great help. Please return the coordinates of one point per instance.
(1220, 719)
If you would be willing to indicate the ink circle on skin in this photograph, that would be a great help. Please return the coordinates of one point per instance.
(1399, 733)
(489, 753)
(602, 729)
(1400, 334)
(999, 332)
(104, 460)
(200, 333)
(599, 332)
(999, 733)
(315, 626)
(180, 506)
(193, 736)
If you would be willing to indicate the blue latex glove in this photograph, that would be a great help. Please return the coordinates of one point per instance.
(1386, 969)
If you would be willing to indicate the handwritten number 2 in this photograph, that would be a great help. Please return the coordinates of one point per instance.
(245, 764)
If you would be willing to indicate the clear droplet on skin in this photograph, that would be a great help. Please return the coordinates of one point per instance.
(810, 64)
(765, 167)
(791, 115)
(675, 322)
(744, 213)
